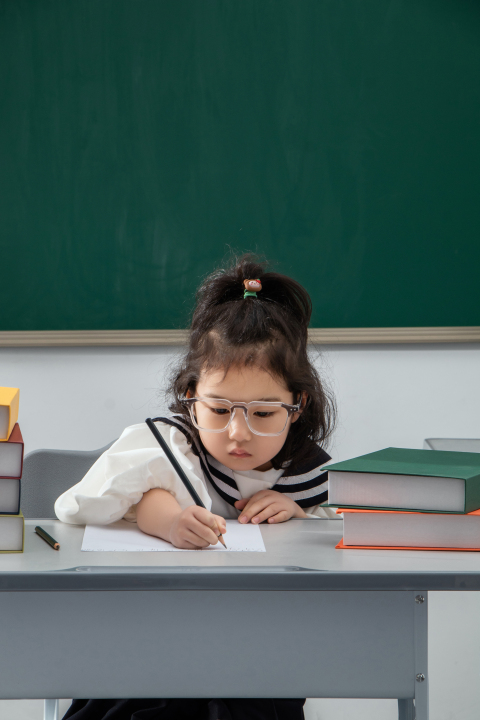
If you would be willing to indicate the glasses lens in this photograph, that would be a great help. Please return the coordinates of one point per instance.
(211, 414)
(263, 418)
(267, 419)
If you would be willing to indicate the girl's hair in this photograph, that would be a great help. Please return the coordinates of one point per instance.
(268, 331)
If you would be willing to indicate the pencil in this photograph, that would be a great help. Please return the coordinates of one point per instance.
(48, 538)
(178, 468)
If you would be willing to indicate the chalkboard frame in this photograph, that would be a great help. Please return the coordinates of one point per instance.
(317, 336)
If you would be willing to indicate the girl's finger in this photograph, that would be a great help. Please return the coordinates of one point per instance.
(221, 524)
(279, 517)
(254, 508)
(240, 504)
(206, 533)
(265, 514)
(247, 503)
(188, 546)
(196, 540)
(206, 518)
(253, 498)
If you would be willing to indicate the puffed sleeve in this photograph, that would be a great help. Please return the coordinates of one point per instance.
(134, 464)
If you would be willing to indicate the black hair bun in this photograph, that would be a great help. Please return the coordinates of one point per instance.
(227, 286)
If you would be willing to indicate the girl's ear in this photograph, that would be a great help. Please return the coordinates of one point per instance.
(188, 394)
(303, 403)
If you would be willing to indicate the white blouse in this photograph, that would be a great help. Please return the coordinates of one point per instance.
(136, 463)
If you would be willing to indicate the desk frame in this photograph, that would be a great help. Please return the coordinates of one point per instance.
(353, 629)
(371, 643)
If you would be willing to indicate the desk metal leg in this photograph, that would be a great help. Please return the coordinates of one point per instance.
(406, 709)
(50, 711)
(420, 624)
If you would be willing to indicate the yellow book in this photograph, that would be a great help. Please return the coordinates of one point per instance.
(12, 533)
(9, 401)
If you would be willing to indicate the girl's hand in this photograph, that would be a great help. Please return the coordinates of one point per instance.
(268, 505)
(195, 527)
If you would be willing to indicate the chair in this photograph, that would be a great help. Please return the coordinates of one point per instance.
(46, 475)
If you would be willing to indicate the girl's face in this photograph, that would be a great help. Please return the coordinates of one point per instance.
(238, 448)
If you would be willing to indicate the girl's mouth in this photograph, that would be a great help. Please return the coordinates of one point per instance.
(240, 453)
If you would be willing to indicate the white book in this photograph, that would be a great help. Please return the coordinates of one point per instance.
(410, 492)
(12, 533)
(405, 529)
(10, 495)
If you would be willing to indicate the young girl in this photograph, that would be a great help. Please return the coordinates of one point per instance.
(250, 417)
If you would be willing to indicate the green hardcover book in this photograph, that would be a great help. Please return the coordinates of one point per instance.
(403, 479)
(12, 533)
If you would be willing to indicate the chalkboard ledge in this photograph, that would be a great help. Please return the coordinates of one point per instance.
(318, 336)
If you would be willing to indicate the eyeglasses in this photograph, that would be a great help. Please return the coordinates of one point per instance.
(262, 418)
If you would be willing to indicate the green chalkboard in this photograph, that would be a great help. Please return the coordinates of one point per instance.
(141, 139)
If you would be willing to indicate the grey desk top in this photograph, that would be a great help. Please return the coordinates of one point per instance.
(300, 555)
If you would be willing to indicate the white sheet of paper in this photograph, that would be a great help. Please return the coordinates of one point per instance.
(123, 536)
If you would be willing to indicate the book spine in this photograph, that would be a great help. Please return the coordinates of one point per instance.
(394, 509)
(20, 515)
(15, 437)
(17, 508)
(13, 407)
(472, 493)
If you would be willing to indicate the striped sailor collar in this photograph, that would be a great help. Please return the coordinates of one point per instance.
(307, 487)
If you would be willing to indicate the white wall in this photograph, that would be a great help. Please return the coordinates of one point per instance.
(82, 398)
(399, 395)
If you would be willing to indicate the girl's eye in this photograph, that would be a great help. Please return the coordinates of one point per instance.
(219, 411)
(263, 414)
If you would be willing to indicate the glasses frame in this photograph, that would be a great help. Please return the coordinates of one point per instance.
(189, 403)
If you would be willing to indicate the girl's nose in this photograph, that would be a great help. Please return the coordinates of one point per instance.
(238, 429)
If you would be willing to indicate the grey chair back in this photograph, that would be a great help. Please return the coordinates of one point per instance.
(48, 473)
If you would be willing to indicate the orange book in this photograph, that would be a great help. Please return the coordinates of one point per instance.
(424, 531)
(9, 401)
(341, 546)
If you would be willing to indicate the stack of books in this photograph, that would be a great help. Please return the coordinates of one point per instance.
(12, 523)
(408, 499)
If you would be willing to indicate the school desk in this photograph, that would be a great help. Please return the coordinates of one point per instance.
(301, 620)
